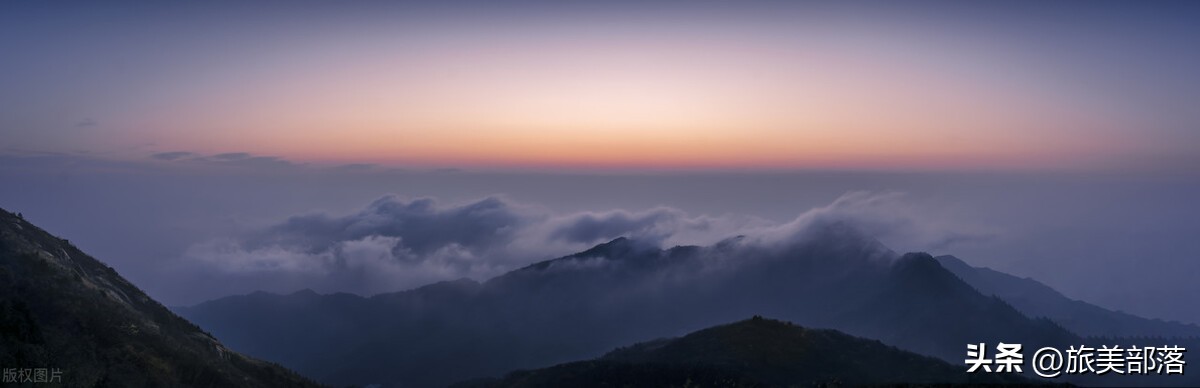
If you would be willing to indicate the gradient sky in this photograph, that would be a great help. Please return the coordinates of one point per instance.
(1061, 137)
(625, 85)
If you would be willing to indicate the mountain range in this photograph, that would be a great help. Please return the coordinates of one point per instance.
(756, 352)
(898, 319)
(1035, 299)
(625, 291)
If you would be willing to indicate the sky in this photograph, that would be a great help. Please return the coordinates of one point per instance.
(198, 147)
(618, 85)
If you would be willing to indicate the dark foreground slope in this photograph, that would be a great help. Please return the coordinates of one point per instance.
(64, 311)
(621, 292)
(752, 353)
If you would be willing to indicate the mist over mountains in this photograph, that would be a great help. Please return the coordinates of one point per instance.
(825, 269)
(396, 243)
(167, 230)
(63, 307)
(1035, 299)
(819, 273)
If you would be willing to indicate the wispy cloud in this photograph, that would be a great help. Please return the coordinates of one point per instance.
(231, 156)
(228, 159)
(177, 155)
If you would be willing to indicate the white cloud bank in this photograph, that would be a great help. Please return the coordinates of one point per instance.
(396, 243)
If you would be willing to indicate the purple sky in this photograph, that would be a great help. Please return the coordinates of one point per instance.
(190, 145)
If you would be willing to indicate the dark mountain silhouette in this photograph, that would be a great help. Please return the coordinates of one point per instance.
(62, 310)
(1039, 300)
(752, 353)
(827, 275)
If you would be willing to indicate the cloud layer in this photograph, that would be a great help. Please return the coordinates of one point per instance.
(396, 243)
(227, 160)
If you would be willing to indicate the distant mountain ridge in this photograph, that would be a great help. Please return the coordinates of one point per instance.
(756, 352)
(1035, 299)
(621, 292)
(61, 309)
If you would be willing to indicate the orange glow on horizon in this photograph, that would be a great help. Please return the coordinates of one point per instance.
(640, 104)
